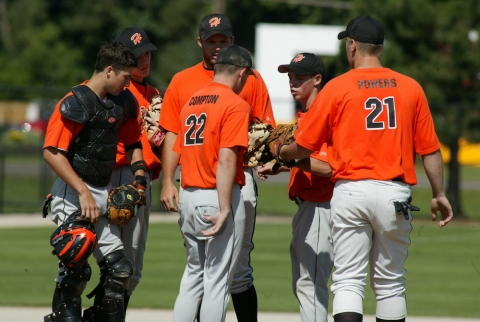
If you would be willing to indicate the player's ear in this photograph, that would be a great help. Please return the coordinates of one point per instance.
(199, 42)
(232, 39)
(317, 79)
(109, 71)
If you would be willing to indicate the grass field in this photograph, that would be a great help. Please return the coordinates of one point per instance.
(443, 267)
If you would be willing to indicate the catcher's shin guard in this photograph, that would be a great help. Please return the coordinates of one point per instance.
(115, 270)
(67, 301)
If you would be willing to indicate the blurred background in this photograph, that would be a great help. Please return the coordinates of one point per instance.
(49, 46)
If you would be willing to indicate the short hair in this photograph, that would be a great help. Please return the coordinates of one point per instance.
(369, 49)
(226, 69)
(115, 54)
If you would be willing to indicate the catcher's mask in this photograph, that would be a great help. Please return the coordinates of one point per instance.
(74, 241)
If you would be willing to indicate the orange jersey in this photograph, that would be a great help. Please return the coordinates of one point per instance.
(185, 83)
(214, 118)
(143, 93)
(309, 186)
(62, 131)
(374, 120)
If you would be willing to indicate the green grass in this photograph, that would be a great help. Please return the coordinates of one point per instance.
(273, 199)
(443, 277)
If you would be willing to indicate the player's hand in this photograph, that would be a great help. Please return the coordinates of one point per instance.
(89, 206)
(151, 121)
(168, 196)
(218, 220)
(264, 170)
(443, 205)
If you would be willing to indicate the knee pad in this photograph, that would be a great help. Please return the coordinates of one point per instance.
(116, 270)
(75, 281)
(67, 301)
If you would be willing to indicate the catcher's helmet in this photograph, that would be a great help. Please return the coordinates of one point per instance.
(74, 241)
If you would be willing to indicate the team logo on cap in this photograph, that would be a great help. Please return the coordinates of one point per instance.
(215, 21)
(298, 58)
(136, 38)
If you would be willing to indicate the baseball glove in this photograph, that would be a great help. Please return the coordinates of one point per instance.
(282, 135)
(257, 151)
(123, 202)
(154, 133)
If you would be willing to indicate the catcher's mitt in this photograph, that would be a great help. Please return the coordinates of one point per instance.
(154, 133)
(122, 204)
(282, 135)
(257, 151)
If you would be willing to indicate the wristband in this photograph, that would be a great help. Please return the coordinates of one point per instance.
(138, 165)
(275, 167)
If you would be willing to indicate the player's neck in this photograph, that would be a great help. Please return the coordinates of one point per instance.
(139, 80)
(367, 62)
(97, 85)
(308, 102)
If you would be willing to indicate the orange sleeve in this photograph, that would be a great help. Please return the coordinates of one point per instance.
(322, 154)
(234, 127)
(255, 93)
(169, 119)
(60, 130)
(425, 138)
(316, 123)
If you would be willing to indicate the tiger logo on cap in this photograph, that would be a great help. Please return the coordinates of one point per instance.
(298, 58)
(136, 38)
(215, 21)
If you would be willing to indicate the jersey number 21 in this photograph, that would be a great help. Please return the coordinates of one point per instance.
(376, 105)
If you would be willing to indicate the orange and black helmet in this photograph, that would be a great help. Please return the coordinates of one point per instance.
(74, 241)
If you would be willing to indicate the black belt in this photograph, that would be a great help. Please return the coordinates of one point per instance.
(298, 200)
(397, 179)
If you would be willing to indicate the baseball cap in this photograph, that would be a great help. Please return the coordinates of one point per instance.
(215, 24)
(364, 29)
(237, 56)
(136, 40)
(304, 64)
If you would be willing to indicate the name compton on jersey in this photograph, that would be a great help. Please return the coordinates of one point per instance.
(204, 99)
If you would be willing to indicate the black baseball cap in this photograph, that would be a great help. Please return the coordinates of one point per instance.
(364, 29)
(237, 56)
(304, 64)
(215, 24)
(136, 40)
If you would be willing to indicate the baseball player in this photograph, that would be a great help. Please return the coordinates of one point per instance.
(311, 247)
(374, 120)
(80, 146)
(134, 234)
(215, 33)
(211, 141)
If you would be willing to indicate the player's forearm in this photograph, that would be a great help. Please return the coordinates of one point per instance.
(57, 160)
(226, 170)
(169, 158)
(433, 165)
(133, 156)
(294, 151)
(315, 167)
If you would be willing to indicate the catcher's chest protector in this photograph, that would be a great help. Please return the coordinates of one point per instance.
(92, 153)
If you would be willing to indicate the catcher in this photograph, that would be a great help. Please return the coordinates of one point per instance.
(80, 146)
